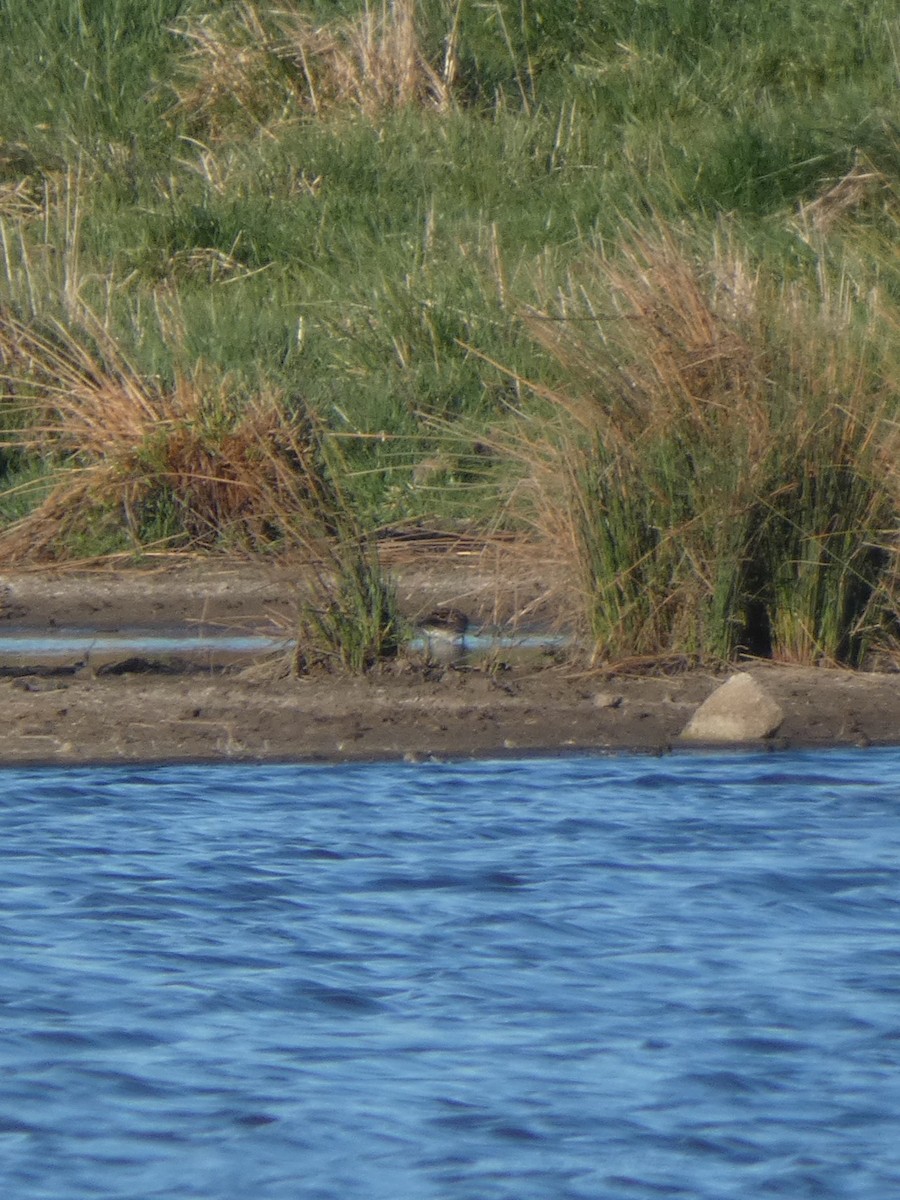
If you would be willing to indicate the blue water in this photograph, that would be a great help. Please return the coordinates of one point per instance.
(588, 978)
(39, 644)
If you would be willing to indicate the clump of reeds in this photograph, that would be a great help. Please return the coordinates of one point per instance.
(352, 619)
(722, 466)
(252, 473)
(266, 64)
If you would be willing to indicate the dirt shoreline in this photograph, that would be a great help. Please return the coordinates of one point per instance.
(131, 709)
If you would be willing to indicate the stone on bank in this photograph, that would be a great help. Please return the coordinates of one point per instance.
(741, 710)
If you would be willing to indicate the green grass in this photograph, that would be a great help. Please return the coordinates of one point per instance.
(364, 242)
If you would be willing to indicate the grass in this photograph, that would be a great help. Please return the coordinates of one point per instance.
(727, 446)
(346, 210)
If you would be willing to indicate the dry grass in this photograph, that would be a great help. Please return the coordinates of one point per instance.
(229, 73)
(18, 200)
(265, 65)
(863, 188)
(374, 63)
(240, 473)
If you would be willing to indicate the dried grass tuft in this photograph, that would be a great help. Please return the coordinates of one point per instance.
(267, 65)
(374, 63)
(864, 186)
(18, 201)
(240, 473)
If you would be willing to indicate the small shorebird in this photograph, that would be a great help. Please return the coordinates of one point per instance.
(444, 633)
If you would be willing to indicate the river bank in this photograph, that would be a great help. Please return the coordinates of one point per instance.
(128, 707)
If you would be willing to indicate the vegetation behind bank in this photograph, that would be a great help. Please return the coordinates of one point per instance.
(644, 251)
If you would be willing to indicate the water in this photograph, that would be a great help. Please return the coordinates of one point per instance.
(39, 644)
(609, 979)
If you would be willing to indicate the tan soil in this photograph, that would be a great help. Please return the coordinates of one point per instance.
(77, 713)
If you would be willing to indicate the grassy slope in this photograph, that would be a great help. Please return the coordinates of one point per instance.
(350, 258)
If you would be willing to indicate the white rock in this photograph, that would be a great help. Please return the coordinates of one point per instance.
(741, 710)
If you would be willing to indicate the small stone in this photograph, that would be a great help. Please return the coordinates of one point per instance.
(607, 700)
(741, 710)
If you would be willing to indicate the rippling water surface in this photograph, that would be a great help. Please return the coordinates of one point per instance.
(593, 978)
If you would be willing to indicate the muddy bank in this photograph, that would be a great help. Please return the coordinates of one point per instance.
(132, 709)
(498, 583)
(412, 714)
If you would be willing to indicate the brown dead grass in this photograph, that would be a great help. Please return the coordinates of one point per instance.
(263, 65)
(863, 188)
(242, 472)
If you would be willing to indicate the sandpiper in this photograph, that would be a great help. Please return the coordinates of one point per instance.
(444, 634)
